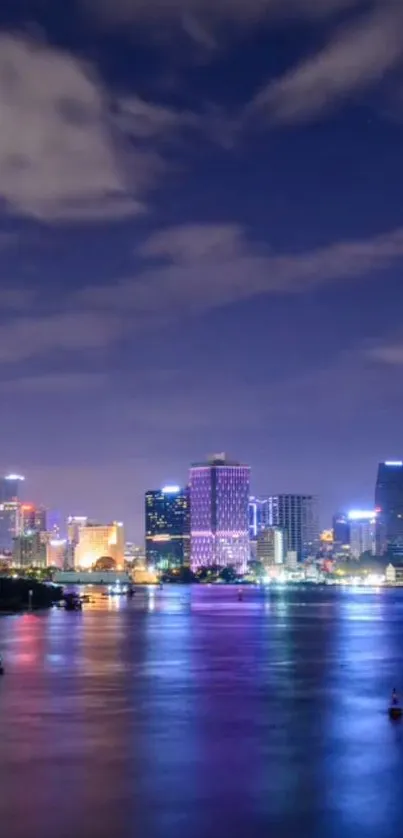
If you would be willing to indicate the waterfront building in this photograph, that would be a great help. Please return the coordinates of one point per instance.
(74, 523)
(219, 513)
(29, 550)
(97, 541)
(56, 553)
(32, 518)
(297, 515)
(10, 510)
(258, 516)
(362, 524)
(341, 530)
(389, 509)
(271, 546)
(167, 527)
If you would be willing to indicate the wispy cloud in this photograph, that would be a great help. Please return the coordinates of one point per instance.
(190, 269)
(360, 53)
(387, 354)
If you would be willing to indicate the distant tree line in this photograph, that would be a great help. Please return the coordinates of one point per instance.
(15, 594)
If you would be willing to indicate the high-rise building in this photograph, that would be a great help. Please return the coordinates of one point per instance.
(10, 487)
(389, 509)
(258, 516)
(341, 530)
(272, 546)
(32, 518)
(9, 510)
(362, 524)
(29, 550)
(74, 524)
(56, 553)
(298, 516)
(99, 541)
(167, 527)
(219, 506)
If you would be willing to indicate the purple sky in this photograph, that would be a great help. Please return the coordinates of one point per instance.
(201, 246)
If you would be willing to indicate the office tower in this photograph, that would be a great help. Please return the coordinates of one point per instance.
(9, 510)
(56, 553)
(362, 524)
(99, 541)
(10, 487)
(219, 506)
(297, 515)
(74, 523)
(258, 516)
(341, 530)
(9, 525)
(32, 518)
(272, 546)
(29, 550)
(167, 527)
(389, 509)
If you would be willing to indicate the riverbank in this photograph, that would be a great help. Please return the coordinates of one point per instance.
(18, 595)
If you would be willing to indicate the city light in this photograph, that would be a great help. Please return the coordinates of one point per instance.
(170, 490)
(397, 463)
(14, 477)
(361, 515)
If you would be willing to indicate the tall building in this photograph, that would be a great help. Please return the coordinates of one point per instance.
(56, 553)
(98, 541)
(29, 550)
(298, 516)
(74, 523)
(10, 486)
(32, 518)
(167, 527)
(362, 524)
(389, 509)
(341, 530)
(272, 546)
(219, 507)
(258, 516)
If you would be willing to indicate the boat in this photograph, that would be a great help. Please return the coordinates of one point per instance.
(395, 712)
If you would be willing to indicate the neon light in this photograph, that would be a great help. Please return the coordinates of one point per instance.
(397, 463)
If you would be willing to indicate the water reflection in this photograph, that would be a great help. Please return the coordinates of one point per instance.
(189, 710)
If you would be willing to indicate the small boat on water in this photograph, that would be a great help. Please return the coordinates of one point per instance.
(395, 709)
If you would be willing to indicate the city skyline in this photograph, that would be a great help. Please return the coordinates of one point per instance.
(220, 264)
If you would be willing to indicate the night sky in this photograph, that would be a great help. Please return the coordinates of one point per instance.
(201, 246)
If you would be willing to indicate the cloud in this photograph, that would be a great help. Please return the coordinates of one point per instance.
(390, 354)
(28, 337)
(357, 55)
(189, 270)
(61, 154)
(208, 266)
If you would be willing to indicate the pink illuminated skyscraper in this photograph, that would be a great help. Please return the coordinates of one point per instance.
(219, 522)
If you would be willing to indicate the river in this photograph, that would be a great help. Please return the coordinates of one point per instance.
(187, 712)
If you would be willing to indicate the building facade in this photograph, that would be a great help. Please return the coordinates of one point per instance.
(259, 517)
(167, 527)
(297, 515)
(389, 509)
(29, 550)
(341, 530)
(362, 524)
(271, 546)
(32, 518)
(219, 513)
(98, 541)
(10, 510)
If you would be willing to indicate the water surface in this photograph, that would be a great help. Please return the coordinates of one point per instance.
(188, 712)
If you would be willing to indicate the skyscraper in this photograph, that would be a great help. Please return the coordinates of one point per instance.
(32, 518)
(219, 506)
(362, 524)
(341, 530)
(272, 546)
(389, 508)
(167, 527)
(258, 516)
(10, 517)
(10, 487)
(297, 515)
